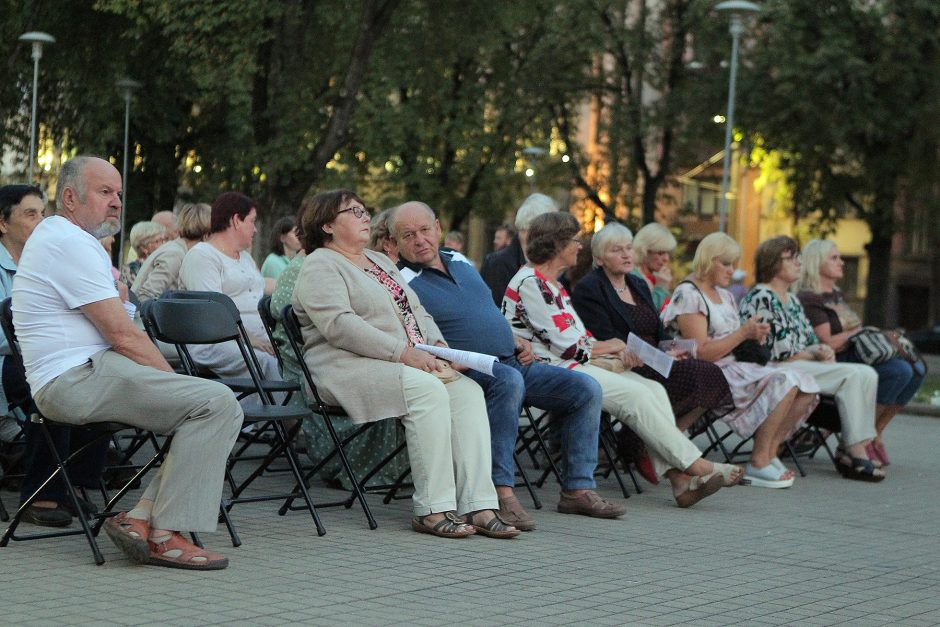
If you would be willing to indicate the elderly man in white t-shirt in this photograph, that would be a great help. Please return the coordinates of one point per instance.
(86, 362)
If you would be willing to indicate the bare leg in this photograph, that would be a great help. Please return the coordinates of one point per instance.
(883, 415)
(686, 421)
(768, 437)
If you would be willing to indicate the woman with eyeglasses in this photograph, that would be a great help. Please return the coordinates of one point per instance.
(539, 310)
(834, 323)
(361, 324)
(793, 342)
(770, 403)
(653, 246)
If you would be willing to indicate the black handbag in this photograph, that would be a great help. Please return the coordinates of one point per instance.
(749, 351)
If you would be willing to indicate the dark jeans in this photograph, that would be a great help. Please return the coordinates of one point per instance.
(574, 397)
(84, 471)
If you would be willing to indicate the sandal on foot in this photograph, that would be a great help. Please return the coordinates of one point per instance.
(770, 476)
(858, 469)
(877, 454)
(176, 552)
(447, 527)
(495, 527)
(727, 473)
(699, 488)
(130, 535)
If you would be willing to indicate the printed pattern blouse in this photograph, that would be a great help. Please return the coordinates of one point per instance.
(542, 313)
(790, 330)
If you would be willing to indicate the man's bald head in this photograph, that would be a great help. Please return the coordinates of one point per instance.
(167, 219)
(418, 233)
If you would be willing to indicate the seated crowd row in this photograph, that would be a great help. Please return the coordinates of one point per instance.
(368, 291)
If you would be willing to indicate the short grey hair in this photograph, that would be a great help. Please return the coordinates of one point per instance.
(72, 174)
(532, 207)
(653, 236)
(607, 236)
(143, 231)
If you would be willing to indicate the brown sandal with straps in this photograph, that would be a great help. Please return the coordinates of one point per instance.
(495, 527)
(447, 527)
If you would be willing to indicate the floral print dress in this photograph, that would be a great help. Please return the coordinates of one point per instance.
(756, 389)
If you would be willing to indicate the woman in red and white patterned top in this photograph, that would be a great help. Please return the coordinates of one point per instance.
(539, 310)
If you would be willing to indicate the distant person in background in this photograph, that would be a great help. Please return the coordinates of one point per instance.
(380, 240)
(161, 271)
(167, 219)
(653, 245)
(454, 240)
(502, 237)
(284, 246)
(737, 289)
(500, 266)
(145, 238)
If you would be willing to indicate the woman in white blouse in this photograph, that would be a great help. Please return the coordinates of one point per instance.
(540, 311)
(223, 264)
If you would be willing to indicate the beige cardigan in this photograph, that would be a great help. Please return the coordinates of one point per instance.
(353, 335)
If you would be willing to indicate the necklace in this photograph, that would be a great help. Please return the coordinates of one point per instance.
(620, 290)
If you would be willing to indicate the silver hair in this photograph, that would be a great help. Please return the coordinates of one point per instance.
(532, 207)
(813, 254)
(653, 236)
(72, 174)
(606, 237)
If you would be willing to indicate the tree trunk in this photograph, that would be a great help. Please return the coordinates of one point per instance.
(881, 222)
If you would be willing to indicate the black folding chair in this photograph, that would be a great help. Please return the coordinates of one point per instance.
(90, 526)
(199, 321)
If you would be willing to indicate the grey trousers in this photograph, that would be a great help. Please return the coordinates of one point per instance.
(203, 417)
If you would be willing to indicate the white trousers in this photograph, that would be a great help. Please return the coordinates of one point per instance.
(448, 437)
(643, 405)
(854, 386)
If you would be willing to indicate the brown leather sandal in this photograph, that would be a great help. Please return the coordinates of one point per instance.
(130, 535)
(495, 527)
(177, 552)
(450, 526)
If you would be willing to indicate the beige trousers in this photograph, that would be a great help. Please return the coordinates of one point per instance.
(203, 417)
(854, 386)
(448, 436)
(643, 405)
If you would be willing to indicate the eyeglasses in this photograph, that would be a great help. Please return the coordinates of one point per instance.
(797, 257)
(577, 241)
(357, 211)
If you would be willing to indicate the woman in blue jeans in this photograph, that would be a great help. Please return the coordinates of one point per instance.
(835, 323)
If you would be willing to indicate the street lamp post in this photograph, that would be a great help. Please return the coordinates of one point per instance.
(37, 39)
(736, 8)
(127, 87)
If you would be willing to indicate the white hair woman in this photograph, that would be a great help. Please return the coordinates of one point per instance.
(835, 323)
(769, 403)
(539, 310)
(145, 238)
(653, 246)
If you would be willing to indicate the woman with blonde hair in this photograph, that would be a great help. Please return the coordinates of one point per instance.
(161, 270)
(791, 340)
(835, 323)
(653, 245)
(380, 239)
(769, 403)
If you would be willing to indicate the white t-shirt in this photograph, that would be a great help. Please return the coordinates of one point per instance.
(61, 269)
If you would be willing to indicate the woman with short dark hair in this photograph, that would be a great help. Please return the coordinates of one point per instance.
(539, 310)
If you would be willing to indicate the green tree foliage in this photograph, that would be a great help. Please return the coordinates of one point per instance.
(847, 91)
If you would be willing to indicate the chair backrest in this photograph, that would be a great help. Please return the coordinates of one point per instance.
(225, 301)
(182, 321)
(270, 325)
(296, 341)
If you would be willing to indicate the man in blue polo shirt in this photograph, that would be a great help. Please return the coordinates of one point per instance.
(462, 306)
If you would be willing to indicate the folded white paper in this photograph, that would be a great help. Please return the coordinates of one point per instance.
(651, 356)
(477, 361)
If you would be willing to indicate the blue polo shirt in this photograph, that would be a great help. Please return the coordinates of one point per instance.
(461, 305)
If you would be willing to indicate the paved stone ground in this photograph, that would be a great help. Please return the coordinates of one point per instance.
(826, 552)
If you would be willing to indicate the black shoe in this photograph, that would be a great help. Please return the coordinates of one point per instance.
(47, 516)
(89, 508)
